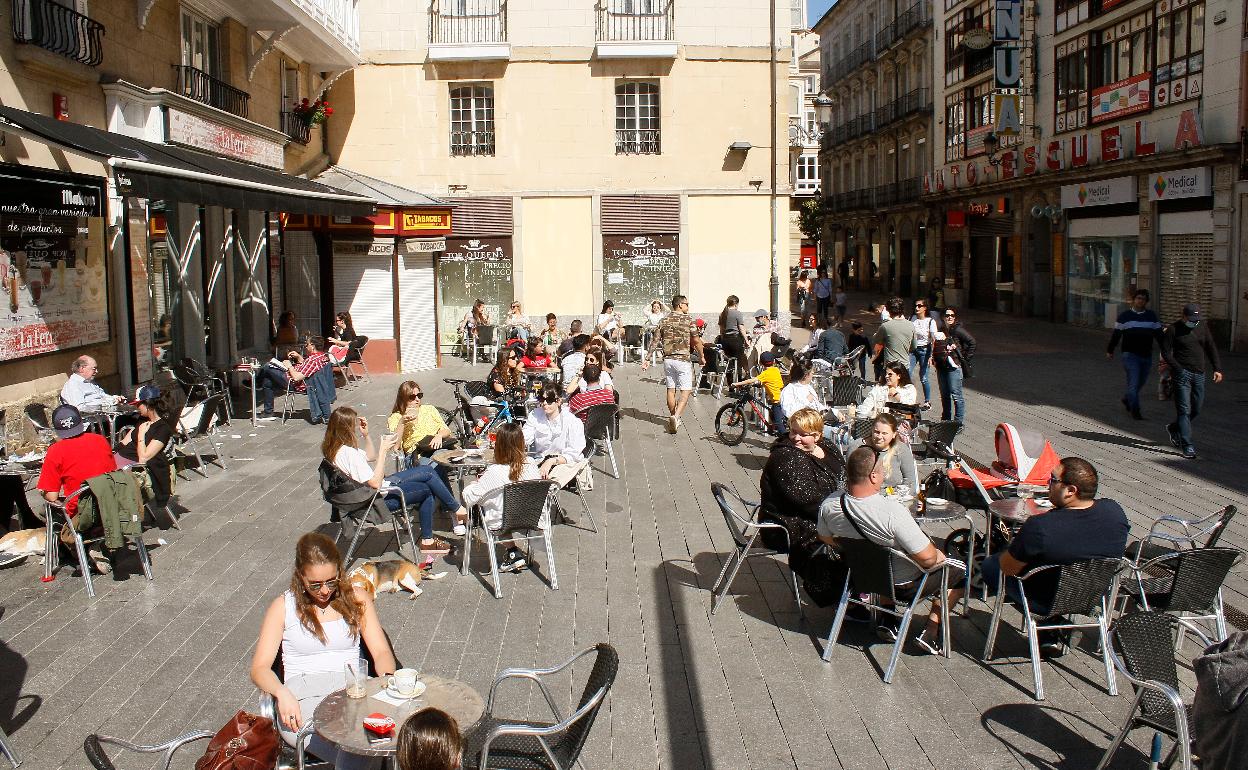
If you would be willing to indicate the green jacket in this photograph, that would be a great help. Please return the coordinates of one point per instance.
(115, 499)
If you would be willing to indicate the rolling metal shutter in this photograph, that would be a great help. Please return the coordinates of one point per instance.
(1186, 273)
(417, 325)
(481, 217)
(303, 280)
(364, 285)
(633, 214)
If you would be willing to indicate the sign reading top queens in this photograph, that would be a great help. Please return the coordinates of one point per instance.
(638, 269)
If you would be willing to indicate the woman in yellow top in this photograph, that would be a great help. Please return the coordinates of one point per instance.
(773, 382)
(414, 421)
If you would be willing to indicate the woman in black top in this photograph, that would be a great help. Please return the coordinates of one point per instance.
(505, 375)
(146, 443)
(340, 337)
(802, 470)
(732, 333)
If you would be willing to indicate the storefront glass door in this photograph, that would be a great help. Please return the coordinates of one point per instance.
(472, 269)
(1099, 275)
(638, 270)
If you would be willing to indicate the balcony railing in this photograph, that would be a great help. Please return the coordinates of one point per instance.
(633, 142)
(340, 17)
(58, 29)
(295, 127)
(636, 20)
(468, 21)
(852, 61)
(801, 136)
(918, 101)
(202, 87)
(479, 142)
(914, 17)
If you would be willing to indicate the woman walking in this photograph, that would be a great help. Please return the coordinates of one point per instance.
(924, 335)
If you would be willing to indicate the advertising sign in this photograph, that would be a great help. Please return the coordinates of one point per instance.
(1183, 183)
(638, 270)
(1126, 97)
(471, 269)
(1100, 193)
(194, 131)
(378, 247)
(423, 245)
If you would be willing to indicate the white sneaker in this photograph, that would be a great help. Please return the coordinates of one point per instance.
(459, 529)
(678, 424)
(671, 424)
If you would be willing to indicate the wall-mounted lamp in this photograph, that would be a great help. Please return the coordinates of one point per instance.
(740, 147)
(992, 145)
(756, 183)
(823, 109)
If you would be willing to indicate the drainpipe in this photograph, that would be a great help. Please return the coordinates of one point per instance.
(775, 138)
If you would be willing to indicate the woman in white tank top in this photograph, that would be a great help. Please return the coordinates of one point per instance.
(318, 628)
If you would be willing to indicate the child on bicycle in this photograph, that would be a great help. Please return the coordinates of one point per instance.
(773, 382)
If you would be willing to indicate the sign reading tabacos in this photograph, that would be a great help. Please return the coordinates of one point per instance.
(1106, 145)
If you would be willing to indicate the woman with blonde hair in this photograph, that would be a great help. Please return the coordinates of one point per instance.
(421, 485)
(419, 426)
(318, 625)
(895, 458)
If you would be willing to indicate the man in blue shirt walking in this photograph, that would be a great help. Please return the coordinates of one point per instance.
(1137, 328)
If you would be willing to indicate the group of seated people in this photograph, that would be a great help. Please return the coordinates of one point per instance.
(802, 490)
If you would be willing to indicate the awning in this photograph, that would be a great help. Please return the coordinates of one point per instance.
(165, 172)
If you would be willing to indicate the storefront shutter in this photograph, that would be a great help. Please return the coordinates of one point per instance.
(417, 337)
(1186, 273)
(481, 217)
(633, 214)
(303, 280)
(364, 286)
(991, 225)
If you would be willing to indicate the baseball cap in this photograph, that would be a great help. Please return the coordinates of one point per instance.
(67, 421)
(147, 393)
(761, 312)
(1192, 311)
(768, 358)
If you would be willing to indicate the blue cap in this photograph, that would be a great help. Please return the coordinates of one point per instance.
(148, 392)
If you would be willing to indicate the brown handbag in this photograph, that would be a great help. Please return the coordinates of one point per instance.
(247, 742)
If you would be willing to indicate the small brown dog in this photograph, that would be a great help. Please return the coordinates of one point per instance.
(389, 576)
(21, 543)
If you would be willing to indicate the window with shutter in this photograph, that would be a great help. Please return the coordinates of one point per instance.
(1186, 273)
(364, 285)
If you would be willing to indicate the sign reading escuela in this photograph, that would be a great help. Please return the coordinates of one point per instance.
(1103, 192)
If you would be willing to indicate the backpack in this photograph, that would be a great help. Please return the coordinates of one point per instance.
(246, 742)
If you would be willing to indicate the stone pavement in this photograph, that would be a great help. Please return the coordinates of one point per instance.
(744, 688)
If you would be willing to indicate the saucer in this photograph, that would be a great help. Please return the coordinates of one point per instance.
(416, 693)
(937, 501)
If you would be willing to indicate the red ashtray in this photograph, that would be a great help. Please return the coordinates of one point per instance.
(379, 724)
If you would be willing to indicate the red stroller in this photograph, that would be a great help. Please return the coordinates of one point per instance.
(1023, 457)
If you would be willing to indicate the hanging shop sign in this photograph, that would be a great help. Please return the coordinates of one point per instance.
(474, 249)
(1118, 100)
(387, 221)
(1007, 34)
(36, 195)
(423, 245)
(1088, 148)
(1103, 192)
(1183, 183)
(378, 247)
(194, 131)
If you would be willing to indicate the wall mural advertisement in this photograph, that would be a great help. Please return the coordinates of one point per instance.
(52, 267)
(638, 269)
(472, 269)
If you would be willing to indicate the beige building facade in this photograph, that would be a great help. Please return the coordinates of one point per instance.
(625, 151)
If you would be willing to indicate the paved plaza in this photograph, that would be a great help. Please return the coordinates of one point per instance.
(744, 688)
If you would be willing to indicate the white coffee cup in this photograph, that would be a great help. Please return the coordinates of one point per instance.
(404, 681)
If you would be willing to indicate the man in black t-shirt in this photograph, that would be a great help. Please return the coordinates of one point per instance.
(1079, 528)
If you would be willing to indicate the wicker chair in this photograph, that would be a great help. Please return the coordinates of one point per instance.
(513, 743)
(1185, 583)
(846, 390)
(745, 533)
(1083, 588)
(871, 571)
(1195, 533)
(525, 505)
(355, 502)
(861, 428)
(1145, 655)
(940, 432)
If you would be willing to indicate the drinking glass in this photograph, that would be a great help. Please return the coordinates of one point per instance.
(1026, 492)
(356, 678)
(903, 491)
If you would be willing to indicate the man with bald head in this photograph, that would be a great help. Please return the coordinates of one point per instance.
(81, 391)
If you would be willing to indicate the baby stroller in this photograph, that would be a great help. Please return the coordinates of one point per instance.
(1023, 457)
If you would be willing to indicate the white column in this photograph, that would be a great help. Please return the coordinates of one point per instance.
(185, 241)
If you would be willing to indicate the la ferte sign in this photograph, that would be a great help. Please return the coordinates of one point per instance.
(1106, 145)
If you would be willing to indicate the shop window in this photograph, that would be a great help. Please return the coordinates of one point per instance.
(637, 118)
(1180, 53)
(1068, 13)
(806, 174)
(472, 119)
(200, 46)
(962, 62)
(1100, 271)
(1123, 51)
(1070, 95)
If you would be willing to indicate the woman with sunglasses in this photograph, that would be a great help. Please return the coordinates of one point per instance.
(317, 625)
(894, 387)
(505, 375)
(340, 337)
(924, 334)
(517, 323)
(420, 427)
(896, 461)
(596, 356)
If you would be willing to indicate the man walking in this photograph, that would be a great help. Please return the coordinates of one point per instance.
(672, 336)
(894, 340)
(1188, 350)
(952, 352)
(1137, 327)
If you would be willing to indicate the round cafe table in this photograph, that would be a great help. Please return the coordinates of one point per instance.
(340, 720)
(1016, 510)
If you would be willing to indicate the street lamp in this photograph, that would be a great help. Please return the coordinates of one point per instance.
(823, 109)
(992, 145)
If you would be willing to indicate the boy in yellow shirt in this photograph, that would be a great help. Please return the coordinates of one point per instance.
(773, 382)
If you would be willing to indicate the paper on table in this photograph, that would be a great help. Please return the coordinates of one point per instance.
(386, 697)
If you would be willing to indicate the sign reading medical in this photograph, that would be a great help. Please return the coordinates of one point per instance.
(194, 131)
(1103, 192)
(1007, 34)
(1183, 183)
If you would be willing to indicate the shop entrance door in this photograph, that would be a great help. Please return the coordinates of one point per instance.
(983, 294)
(904, 280)
(1186, 268)
(1040, 246)
(637, 270)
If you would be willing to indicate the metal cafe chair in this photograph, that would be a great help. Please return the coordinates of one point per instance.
(483, 341)
(93, 747)
(349, 500)
(1184, 583)
(599, 421)
(525, 503)
(846, 390)
(1174, 533)
(1083, 588)
(497, 742)
(1143, 652)
(55, 517)
(631, 341)
(356, 357)
(8, 751)
(37, 415)
(872, 571)
(198, 422)
(720, 370)
(744, 533)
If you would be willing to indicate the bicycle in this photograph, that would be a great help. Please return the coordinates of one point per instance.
(732, 420)
(466, 426)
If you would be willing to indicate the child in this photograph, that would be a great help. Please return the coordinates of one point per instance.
(430, 740)
(857, 338)
(773, 382)
(841, 301)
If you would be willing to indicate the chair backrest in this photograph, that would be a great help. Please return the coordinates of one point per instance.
(476, 388)
(870, 565)
(343, 493)
(845, 390)
(598, 421)
(567, 747)
(524, 502)
(211, 406)
(188, 421)
(1144, 642)
(712, 355)
(358, 342)
(38, 415)
(861, 428)
(1224, 517)
(1080, 586)
(943, 431)
(485, 335)
(632, 335)
(737, 519)
(1193, 585)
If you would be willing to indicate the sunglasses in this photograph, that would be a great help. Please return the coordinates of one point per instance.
(550, 396)
(1054, 479)
(318, 585)
(919, 305)
(950, 315)
(416, 396)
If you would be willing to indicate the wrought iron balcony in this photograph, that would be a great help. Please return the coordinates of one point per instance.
(633, 142)
(909, 190)
(852, 61)
(918, 101)
(58, 29)
(915, 17)
(479, 142)
(636, 20)
(296, 127)
(202, 87)
(468, 21)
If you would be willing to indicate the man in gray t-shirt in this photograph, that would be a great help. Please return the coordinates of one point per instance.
(895, 337)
